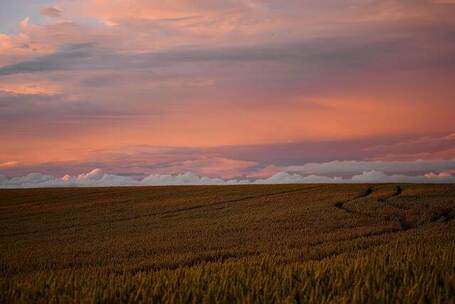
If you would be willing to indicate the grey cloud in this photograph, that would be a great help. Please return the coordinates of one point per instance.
(67, 57)
(91, 57)
(345, 51)
(60, 106)
(290, 154)
(86, 56)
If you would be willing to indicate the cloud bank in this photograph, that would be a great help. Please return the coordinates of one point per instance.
(384, 166)
(98, 178)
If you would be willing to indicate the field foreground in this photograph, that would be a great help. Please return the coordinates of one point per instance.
(224, 244)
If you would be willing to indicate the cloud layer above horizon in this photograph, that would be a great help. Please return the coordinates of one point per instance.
(229, 90)
(365, 172)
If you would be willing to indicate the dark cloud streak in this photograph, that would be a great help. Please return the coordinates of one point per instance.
(353, 51)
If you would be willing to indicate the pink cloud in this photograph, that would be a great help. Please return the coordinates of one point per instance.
(212, 166)
(51, 12)
(441, 174)
(266, 171)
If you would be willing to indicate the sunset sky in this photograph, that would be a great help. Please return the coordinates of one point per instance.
(237, 89)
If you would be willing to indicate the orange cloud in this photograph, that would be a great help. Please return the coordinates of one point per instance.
(29, 89)
(8, 164)
(111, 10)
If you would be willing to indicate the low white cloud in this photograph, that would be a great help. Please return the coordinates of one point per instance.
(381, 177)
(30, 181)
(293, 178)
(97, 178)
(371, 176)
(352, 166)
(187, 178)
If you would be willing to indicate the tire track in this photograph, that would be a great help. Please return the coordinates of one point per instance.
(395, 218)
(399, 218)
(366, 193)
(164, 213)
(236, 200)
(398, 191)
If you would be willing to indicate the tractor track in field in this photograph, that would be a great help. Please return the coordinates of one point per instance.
(164, 213)
(386, 199)
(398, 191)
(395, 218)
(368, 192)
(341, 205)
(246, 198)
(404, 223)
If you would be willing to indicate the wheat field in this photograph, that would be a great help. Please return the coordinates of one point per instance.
(229, 244)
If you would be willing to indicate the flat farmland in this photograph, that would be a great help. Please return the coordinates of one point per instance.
(379, 243)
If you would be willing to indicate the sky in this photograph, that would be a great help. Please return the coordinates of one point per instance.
(98, 92)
